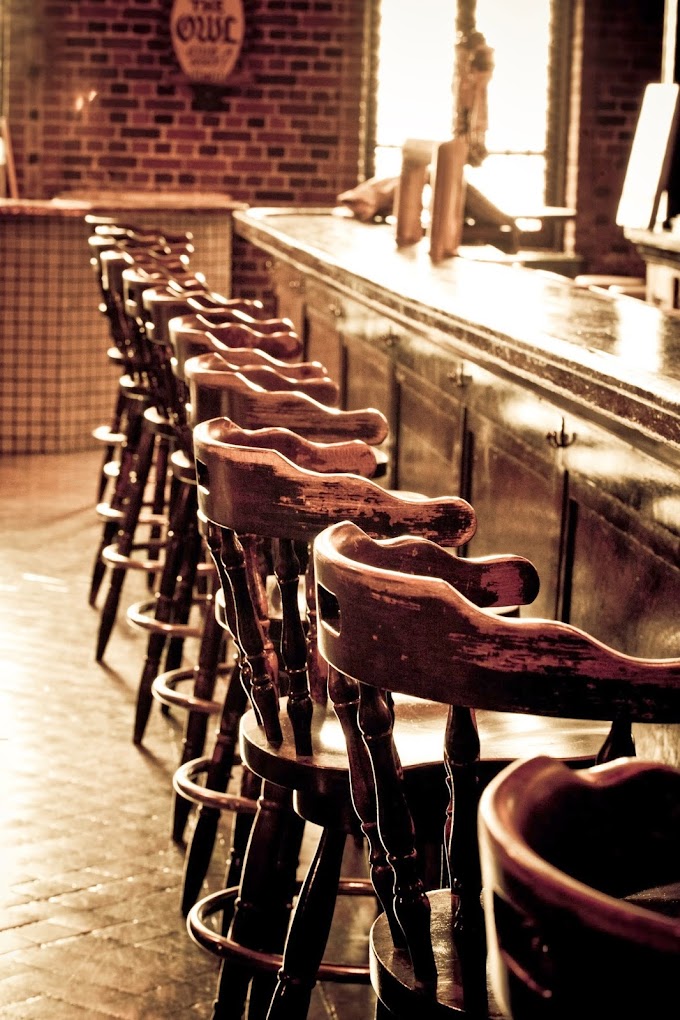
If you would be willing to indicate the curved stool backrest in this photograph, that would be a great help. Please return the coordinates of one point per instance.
(581, 879)
(218, 386)
(393, 616)
(274, 483)
(214, 392)
(188, 343)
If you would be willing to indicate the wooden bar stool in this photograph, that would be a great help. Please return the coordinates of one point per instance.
(162, 429)
(393, 618)
(272, 482)
(212, 392)
(189, 336)
(147, 451)
(211, 380)
(134, 399)
(159, 615)
(581, 880)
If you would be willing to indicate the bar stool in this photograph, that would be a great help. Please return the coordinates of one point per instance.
(134, 399)
(109, 257)
(157, 614)
(273, 482)
(189, 336)
(515, 688)
(582, 888)
(162, 428)
(213, 393)
(213, 384)
(144, 246)
(160, 615)
(167, 687)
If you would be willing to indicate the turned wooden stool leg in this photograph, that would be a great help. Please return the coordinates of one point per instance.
(185, 594)
(219, 772)
(262, 909)
(126, 536)
(114, 509)
(182, 527)
(309, 929)
(205, 673)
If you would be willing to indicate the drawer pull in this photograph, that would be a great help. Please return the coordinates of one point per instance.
(460, 377)
(388, 339)
(560, 440)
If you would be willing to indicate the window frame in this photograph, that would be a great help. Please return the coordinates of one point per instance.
(552, 232)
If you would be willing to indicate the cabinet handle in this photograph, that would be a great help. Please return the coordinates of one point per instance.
(459, 377)
(388, 339)
(295, 284)
(268, 264)
(560, 440)
(335, 310)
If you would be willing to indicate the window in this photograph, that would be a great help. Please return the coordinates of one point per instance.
(414, 92)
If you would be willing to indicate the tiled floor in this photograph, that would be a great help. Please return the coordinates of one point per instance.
(89, 878)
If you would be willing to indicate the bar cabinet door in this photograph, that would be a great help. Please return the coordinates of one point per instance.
(325, 313)
(430, 437)
(288, 285)
(622, 577)
(516, 479)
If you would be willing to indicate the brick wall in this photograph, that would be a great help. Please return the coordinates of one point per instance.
(97, 100)
(620, 52)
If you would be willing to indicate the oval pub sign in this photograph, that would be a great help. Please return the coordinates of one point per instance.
(207, 36)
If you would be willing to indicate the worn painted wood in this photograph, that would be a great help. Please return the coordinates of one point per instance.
(188, 340)
(275, 483)
(244, 485)
(491, 662)
(214, 393)
(580, 877)
(391, 617)
(261, 377)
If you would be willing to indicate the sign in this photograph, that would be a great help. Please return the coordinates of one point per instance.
(207, 36)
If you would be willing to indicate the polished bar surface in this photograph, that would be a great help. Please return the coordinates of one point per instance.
(616, 358)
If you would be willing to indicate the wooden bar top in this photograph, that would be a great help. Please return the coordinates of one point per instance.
(617, 358)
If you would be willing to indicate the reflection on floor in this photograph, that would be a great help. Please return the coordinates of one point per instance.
(89, 877)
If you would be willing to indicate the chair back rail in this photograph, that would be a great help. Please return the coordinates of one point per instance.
(392, 616)
(582, 888)
(276, 483)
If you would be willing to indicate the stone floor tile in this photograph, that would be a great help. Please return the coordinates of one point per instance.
(90, 925)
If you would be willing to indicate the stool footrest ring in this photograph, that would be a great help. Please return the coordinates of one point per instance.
(163, 690)
(140, 614)
(111, 556)
(184, 783)
(103, 434)
(222, 946)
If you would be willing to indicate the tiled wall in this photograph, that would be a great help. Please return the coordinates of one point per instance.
(57, 381)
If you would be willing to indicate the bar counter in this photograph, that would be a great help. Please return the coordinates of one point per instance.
(616, 357)
(555, 410)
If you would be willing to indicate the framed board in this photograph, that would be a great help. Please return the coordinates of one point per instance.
(651, 157)
(8, 177)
